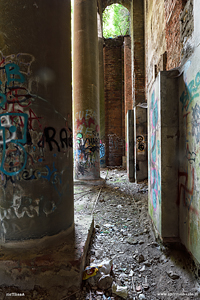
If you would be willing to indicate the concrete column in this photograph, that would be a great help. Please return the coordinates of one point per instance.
(130, 145)
(141, 149)
(137, 45)
(36, 190)
(86, 90)
(138, 78)
(102, 152)
(128, 100)
(163, 155)
(127, 75)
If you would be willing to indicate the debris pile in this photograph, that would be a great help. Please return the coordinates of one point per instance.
(141, 268)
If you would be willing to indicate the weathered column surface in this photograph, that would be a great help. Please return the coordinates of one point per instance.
(86, 90)
(102, 152)
(36, 182)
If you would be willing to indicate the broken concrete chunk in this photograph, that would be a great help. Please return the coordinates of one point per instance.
(141, 242)
(138, 288)
(145, 286)
(131, 273)
(142, 296)
(131, 241)
(162, 259)
(147, 263)
(105, 282)
(140, 258)
(173, 275)
(142, 269)
(121, 291)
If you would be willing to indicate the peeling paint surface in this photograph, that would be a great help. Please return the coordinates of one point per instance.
(154, 168)
(189, 148)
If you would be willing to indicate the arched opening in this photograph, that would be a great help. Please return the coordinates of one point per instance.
(116, 21)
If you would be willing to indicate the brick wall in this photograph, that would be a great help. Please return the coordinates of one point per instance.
(164, 36)
(137, 34)
(155, 38)
(114, 104)
(173, 9)
(127, 75)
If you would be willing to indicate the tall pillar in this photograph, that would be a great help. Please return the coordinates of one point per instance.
(127, 84)
(102, 152)
(138, 48)
(138, 77)
(130, 145)
(36, 157)
(86, 90)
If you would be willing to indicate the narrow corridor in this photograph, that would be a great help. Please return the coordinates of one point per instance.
(123, 232)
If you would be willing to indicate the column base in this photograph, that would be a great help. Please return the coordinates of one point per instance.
(99, 181)
(53, 263)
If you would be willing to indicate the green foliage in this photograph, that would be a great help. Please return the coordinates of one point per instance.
(116, 21)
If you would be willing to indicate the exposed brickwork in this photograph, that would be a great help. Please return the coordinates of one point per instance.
(113, 81)
(127, 75)
(165, 32)
(155, 39)
(173, 9)
(137, 30)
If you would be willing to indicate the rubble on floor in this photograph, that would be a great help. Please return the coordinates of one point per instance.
(140, 266)
(143, 268)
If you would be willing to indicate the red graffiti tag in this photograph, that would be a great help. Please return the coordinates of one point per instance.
(83, 121)
(185, 188)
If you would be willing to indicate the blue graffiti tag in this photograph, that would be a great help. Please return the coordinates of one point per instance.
(101, 150)
(190, 92)
(13, 73)
(155, 148)
(4, 128)
(56, 177)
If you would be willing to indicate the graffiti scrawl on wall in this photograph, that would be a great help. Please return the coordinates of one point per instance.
(140, 144)
(154, 158)
(87, 142)
(189, 166)
(155, 151)
(25, 141)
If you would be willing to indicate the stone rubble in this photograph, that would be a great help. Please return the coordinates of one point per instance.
(141, 264)
(143, 268)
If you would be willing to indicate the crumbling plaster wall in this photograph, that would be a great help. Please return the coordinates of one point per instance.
(189, 145)
(187, 81)
(168, 35)
(155, 43)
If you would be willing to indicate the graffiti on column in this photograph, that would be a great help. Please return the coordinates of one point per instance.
(24, 140)
(155, 151)
(102, 152)
(87, 143)
(140, 144)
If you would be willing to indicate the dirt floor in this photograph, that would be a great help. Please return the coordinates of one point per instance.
(143, 268)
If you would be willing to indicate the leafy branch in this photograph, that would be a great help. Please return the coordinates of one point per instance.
(116, 21)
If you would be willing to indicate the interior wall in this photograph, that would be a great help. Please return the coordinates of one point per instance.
(185, 81)
(114, 101)
(155, 41)
(189, 154)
